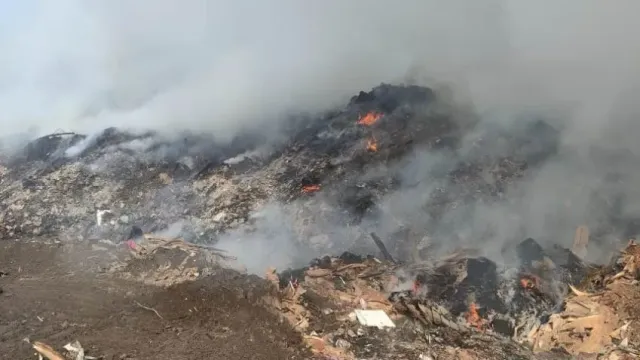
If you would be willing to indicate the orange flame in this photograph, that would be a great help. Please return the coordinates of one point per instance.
(372, 145)
(307, 189)
(369, 118)
(473, 318)
(526, 283)
(529, 282)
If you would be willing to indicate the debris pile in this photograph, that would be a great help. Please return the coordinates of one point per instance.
(206, 188)
(602, 321)
(166, 261)
(176, 198)
(352, 307)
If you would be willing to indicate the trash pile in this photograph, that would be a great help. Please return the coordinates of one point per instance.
(353, 307)
(200, 189)
(601, 320)
(339, 171)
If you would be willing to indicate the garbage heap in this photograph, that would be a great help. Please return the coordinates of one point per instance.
(553, 306)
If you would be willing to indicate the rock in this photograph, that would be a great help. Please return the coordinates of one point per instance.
(124, 219)
(350, 333)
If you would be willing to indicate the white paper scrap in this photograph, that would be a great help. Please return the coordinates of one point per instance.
(377, 318)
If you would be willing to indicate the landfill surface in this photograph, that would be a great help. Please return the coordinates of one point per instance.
(136, 246)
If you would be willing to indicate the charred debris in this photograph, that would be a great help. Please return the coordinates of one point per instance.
(353, 156)
(552, 305)
(99, 186)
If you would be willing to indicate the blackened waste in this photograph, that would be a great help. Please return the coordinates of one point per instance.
(337, 169)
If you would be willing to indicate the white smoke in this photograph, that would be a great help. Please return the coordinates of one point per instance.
(222, 66)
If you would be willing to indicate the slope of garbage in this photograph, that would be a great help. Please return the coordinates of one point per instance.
(142, 208)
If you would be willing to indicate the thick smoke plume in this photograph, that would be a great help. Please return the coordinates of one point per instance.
(223, 67)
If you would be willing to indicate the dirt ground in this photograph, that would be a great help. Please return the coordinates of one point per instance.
(57, 293)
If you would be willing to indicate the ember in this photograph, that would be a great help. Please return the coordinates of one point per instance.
(307, 189)
(473, 318)
(372, 146)
(369, 118)
(529, 282)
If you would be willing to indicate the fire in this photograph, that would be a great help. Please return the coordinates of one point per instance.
(529, 282)
(369, 118)
(310, 188)
(473, 317)
(372, 145)
(526, 283)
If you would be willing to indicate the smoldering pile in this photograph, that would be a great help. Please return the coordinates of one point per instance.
(337, 171)
(464, 306)
(346, 161)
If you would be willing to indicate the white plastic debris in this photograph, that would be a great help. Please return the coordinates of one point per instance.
(100, 216)
(76, 350)
(376, 318)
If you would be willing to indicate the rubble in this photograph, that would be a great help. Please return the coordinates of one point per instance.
(167, 182)
(327, 299)
(170, 201)
(165, 262)
(597, 322)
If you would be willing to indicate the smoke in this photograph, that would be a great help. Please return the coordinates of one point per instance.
(223, 67)
(273, 245)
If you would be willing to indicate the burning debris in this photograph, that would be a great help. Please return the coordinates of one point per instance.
(369, 118)
(325, 298)
(307, 189)
(336, 180)
(372, 145)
